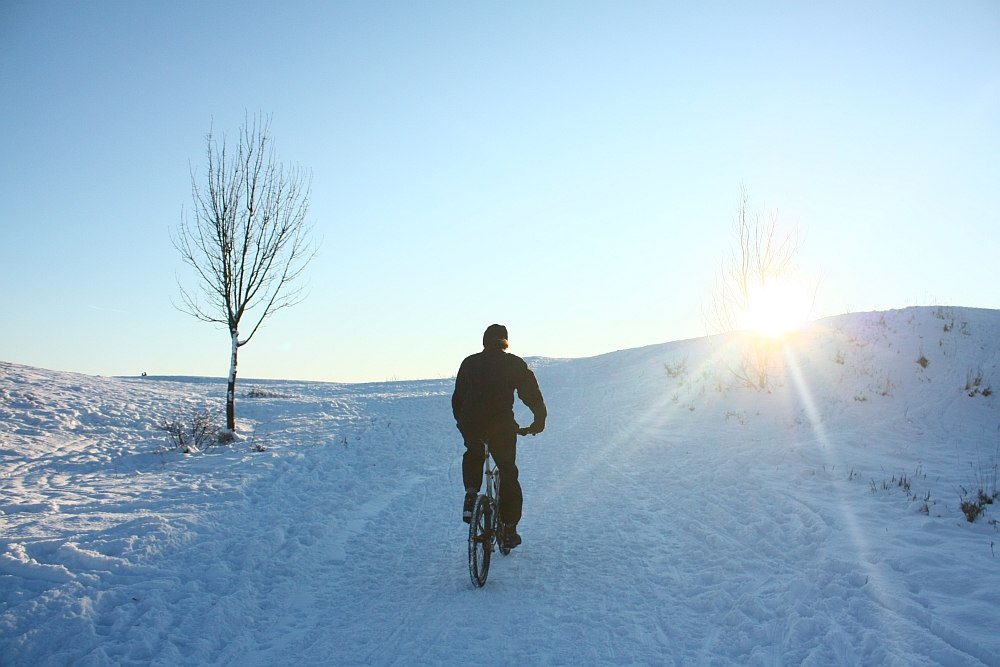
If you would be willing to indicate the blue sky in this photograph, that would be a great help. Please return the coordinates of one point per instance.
(570, 169)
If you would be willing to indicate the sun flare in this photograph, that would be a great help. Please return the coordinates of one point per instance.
(775, 308)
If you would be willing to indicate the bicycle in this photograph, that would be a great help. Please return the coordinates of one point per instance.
(486, 528)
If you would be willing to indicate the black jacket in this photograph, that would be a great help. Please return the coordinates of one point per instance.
(484, 392)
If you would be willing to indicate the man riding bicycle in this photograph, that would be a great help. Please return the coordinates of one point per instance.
(483, 405)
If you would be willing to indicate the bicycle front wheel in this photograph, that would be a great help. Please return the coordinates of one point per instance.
(481, 538)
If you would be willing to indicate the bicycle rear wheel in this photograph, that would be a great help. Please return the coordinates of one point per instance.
(481, 538)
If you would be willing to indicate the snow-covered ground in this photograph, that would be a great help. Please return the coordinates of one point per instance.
(671, 516)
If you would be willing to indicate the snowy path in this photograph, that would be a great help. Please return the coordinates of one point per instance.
(667, 521)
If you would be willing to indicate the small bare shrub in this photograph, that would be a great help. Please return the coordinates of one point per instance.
(904, 483)
(923, 361)
(973, 379)
(740, 417)
(925, 507)
(947, 315)
(192, 432)
(986, 488)
(677, 370)
(261, 392)
(973, 508)
(974, 384)
(254, 442)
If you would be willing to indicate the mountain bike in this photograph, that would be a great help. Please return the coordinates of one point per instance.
(486, 529)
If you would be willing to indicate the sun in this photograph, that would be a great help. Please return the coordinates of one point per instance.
(776, 307)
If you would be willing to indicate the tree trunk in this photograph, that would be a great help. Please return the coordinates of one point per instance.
(231, 387)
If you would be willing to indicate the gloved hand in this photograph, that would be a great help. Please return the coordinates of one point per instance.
(536, 427)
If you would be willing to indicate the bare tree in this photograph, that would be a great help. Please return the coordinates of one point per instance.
(248, 241)
(760, 258)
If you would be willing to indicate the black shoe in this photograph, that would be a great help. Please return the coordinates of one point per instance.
(470, 502)
(510, 536)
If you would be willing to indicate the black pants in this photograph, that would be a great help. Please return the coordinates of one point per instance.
(503, 447)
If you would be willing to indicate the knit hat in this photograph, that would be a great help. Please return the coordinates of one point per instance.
(493, 334)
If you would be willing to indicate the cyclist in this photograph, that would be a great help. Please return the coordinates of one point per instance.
(483, 405)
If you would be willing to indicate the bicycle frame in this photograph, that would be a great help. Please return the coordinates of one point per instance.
(492, 474)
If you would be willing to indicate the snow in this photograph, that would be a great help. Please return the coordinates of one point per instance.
(672, 517)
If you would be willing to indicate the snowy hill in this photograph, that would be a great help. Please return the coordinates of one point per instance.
(672, 516)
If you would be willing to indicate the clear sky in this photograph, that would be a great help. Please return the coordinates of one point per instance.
(570, 169)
